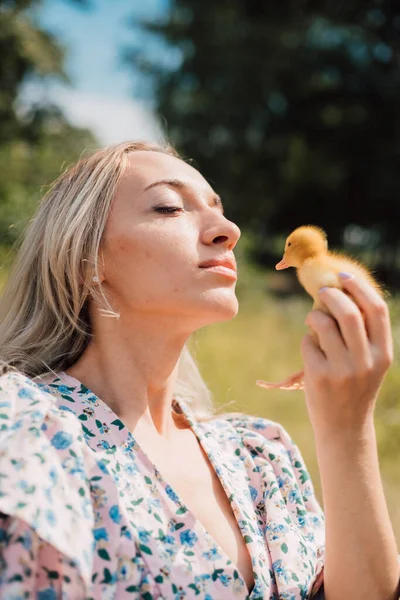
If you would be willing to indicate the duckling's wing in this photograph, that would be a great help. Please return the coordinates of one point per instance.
(341, 262)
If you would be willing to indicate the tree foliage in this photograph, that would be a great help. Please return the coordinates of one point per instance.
(290, 109)
(34, 143)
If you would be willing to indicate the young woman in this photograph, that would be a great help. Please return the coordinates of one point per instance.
(118, 478)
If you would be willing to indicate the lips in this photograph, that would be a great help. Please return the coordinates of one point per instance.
(219, 262)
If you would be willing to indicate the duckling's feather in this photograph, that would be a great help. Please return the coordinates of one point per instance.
(323, 270)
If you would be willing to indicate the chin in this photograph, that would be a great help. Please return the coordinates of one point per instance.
(212, 306)
(224, 309)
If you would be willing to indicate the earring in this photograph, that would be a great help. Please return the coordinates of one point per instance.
(96, 279)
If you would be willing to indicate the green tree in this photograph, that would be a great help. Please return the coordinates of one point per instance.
(25, 50)
(33, 145)
(289, 108)
(27, 169)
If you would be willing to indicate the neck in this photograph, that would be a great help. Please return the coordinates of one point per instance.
(311, 257)
(132, 365)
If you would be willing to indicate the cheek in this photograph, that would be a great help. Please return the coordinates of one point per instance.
(144, 254)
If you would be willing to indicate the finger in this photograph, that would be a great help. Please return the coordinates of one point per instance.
(375, 309)
(350, 322)
(329, 338)
(314, 359)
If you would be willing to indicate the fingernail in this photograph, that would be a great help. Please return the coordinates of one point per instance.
(322, 289)
(346, 275)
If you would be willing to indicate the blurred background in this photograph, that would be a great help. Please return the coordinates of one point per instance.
(290, 109)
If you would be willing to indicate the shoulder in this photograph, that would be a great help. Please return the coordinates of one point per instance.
(43, 467)
(26, 406)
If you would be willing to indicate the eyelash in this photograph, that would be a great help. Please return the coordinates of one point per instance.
(168, 209)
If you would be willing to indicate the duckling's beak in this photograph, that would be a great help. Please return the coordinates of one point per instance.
(282, 265)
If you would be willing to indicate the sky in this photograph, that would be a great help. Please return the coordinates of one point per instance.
(104, 94)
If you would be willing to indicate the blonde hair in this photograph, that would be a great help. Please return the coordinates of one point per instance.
(44, 318)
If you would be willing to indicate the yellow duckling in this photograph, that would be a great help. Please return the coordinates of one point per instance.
(306, 249)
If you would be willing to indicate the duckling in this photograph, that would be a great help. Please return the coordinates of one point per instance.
(306, 249)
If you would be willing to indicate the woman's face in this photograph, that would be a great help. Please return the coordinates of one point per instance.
(151, 256)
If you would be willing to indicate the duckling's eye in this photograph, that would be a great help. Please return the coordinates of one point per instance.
(290, 243)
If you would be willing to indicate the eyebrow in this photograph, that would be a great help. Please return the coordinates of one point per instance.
(178, 183)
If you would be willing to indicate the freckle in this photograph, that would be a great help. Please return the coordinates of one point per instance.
(121, 244)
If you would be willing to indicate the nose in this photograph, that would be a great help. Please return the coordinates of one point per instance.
(223, 232)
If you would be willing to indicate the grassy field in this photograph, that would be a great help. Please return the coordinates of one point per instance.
(263, 342)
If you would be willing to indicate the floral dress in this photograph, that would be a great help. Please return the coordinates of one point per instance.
(85, 514)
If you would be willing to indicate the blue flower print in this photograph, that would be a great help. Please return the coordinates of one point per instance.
(131, 468)
(61, 440)
(253, 492)
(25, 392)
(281, 481)
(202, 580)
(92, 399)
(212, 554)
(126, 533)
(259, 424)
(17, 425)
(26, 540)
(224, 579)
(171, 493)
(36, 414)
(154, 502)
(47, 594)
(23, 484)
(50, 516)
(129, 446)
(100, 534)
(301, 520)
(188, 537)
(280, 570)
(102, 466)
(277, 530)
(144, 535)
(115, 515)
(63, 389)
(104, 445)
(63, 407)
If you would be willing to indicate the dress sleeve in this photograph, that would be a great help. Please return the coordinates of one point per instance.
(278, 457)
(32, 566)
(46, 514)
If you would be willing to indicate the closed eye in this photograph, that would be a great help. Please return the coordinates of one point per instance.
(167, 209)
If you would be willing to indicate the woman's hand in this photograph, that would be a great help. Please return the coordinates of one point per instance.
(344, 370)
